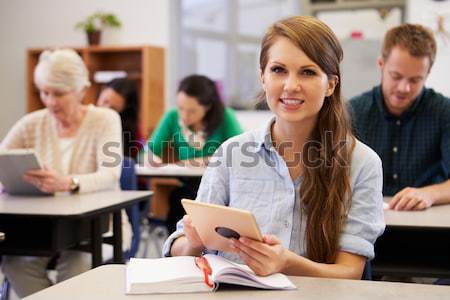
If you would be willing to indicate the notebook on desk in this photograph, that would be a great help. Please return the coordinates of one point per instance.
(13, 164)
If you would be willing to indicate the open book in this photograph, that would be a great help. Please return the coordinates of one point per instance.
(181, 274)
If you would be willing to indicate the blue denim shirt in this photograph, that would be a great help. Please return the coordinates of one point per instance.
(247, 172)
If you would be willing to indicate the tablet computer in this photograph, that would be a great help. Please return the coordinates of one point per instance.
(13, 164)
(216, 224)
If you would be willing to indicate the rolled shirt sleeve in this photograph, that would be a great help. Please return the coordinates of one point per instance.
(365, 219)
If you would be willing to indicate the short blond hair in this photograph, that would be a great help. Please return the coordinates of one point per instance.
(61, 69)
(418, 40)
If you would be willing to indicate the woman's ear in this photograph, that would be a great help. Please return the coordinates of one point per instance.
(261, 79)
(332, 82)
(81, 94)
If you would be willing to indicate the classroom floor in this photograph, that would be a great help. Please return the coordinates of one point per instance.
(152, 240)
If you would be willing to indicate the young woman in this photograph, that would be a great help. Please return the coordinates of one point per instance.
(192, 132)
(199, 124)
(314, 189)
(121, 95)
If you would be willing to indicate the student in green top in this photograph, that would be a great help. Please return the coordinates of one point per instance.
(194, 130)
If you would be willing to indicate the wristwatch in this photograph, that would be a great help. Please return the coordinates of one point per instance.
(74, 185)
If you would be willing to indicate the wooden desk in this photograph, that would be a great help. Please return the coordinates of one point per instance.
(108, 282)
(415, 243)
(170, 170)
(433, 217)
(163, 187)
(42, 226)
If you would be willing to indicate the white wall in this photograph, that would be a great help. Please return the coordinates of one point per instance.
(25, 24)
(358, 69)
(425, 12)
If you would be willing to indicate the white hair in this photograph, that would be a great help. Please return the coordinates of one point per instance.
(62, 69)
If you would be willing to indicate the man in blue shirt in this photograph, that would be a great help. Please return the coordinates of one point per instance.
(407, 124)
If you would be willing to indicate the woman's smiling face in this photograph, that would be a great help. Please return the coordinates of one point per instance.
(295, 86)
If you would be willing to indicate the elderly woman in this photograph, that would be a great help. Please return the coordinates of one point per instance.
(79, 147)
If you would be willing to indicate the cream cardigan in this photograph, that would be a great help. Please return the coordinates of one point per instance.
(97, 149)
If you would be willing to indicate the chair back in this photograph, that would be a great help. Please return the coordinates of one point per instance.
(367, 273)
(128, 182)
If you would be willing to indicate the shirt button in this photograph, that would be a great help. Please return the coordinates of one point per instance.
(398, 122)
(395, 149)
(395, 176)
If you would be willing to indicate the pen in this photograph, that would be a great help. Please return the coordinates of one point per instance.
(203, 265)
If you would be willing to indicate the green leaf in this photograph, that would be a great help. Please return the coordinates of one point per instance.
(98, 21)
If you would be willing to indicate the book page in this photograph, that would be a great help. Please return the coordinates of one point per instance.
(141, 270)
(164, 276)
(226, 271)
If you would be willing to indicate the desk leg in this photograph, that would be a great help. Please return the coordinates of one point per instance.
(96, 242)
(117, 232)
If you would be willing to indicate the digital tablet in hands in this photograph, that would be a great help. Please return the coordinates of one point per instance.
(13, 165)
(216, 224)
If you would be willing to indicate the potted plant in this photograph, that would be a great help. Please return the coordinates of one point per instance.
(94, 24)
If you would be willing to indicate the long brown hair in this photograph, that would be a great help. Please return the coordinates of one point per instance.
(325, 188)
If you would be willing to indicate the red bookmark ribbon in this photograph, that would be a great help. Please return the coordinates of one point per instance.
(203, 265)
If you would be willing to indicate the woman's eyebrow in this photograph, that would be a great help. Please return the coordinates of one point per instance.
(301, 67)
(278, 63)
(309, 66)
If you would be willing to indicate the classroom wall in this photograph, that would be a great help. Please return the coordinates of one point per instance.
(25, 24)
(425, 12)
(359, 66)
(359, 70)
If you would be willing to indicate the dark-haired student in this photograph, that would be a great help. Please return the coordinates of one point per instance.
(194, 129)
(314, 189)
(121, 95)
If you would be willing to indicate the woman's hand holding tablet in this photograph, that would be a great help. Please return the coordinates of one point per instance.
(191, 234)
(214, 225)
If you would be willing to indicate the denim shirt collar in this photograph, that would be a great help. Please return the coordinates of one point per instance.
(406, 115)
(264, 136)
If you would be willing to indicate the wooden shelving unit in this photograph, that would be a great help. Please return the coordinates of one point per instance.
(144, 64)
